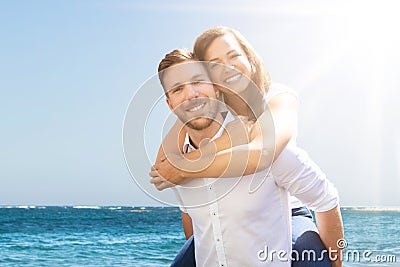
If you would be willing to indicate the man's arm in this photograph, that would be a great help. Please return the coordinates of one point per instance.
(187, 225)
(330, 227)
(297, 173)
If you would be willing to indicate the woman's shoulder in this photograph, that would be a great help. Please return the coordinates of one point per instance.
(278, 88)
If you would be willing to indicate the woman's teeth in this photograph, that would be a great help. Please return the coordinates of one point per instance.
(233, 78)
(197, 107)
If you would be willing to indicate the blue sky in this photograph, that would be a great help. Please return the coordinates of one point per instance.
(68, 70)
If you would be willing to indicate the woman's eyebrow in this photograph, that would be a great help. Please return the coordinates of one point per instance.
(214, 59)
(227, 53)
(231, 51)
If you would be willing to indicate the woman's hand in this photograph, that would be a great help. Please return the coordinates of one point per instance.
(166, 172)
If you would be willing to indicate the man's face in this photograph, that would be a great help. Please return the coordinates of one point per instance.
(191, 96)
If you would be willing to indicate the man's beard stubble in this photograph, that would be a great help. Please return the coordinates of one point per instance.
(192, 123)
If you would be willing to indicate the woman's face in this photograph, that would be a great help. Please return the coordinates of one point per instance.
(233, 69)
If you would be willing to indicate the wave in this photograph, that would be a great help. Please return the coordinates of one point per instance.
(372, 208)
(86, 207)
(113, 208)
(18, 207)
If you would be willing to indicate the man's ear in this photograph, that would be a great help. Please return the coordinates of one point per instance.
(169, 104)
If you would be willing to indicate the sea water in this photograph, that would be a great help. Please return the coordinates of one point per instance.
(151, 236)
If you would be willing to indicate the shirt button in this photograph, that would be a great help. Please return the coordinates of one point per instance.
(214, 213)
(217, 239)
(210, 187)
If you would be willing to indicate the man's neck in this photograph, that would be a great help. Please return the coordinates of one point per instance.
(196, 136)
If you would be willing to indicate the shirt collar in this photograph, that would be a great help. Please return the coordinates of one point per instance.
(187, 145)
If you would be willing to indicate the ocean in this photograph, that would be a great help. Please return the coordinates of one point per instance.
(151, 236)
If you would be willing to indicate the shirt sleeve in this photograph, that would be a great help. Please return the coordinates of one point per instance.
(178, 198)
(276, 89)
(297, 173)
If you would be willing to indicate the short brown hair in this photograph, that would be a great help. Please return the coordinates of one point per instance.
(172, 58)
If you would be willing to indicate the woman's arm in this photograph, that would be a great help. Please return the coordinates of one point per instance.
(172, 142)
(284, 108)
(220, 159)
(172, 169)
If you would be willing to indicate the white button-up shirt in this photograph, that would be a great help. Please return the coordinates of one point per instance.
(235, 227)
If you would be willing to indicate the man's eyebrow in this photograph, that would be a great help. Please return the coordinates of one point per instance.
(176, 84)
(193, 78)
(198, 76)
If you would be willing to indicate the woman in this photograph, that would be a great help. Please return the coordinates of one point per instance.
(232, 63)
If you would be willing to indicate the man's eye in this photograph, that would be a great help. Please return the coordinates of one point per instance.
(235, 55)
(177, 89)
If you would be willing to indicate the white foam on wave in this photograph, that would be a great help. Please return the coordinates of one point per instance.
(115, 208)
(359, 208)
(86, 207)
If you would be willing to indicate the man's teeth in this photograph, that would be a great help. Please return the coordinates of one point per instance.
(233, 78)
(197, 107)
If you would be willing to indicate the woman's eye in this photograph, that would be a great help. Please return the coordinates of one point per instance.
(235, 55)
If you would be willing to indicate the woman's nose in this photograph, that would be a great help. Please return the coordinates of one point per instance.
(229, 68)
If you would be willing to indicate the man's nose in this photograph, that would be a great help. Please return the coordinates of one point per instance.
(192, 91)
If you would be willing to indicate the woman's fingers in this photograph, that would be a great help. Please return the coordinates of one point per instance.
(164, 185)
(154, 173)
(156, 180)
(160, 183)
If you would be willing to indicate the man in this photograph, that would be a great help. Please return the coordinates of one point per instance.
(230, 225)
